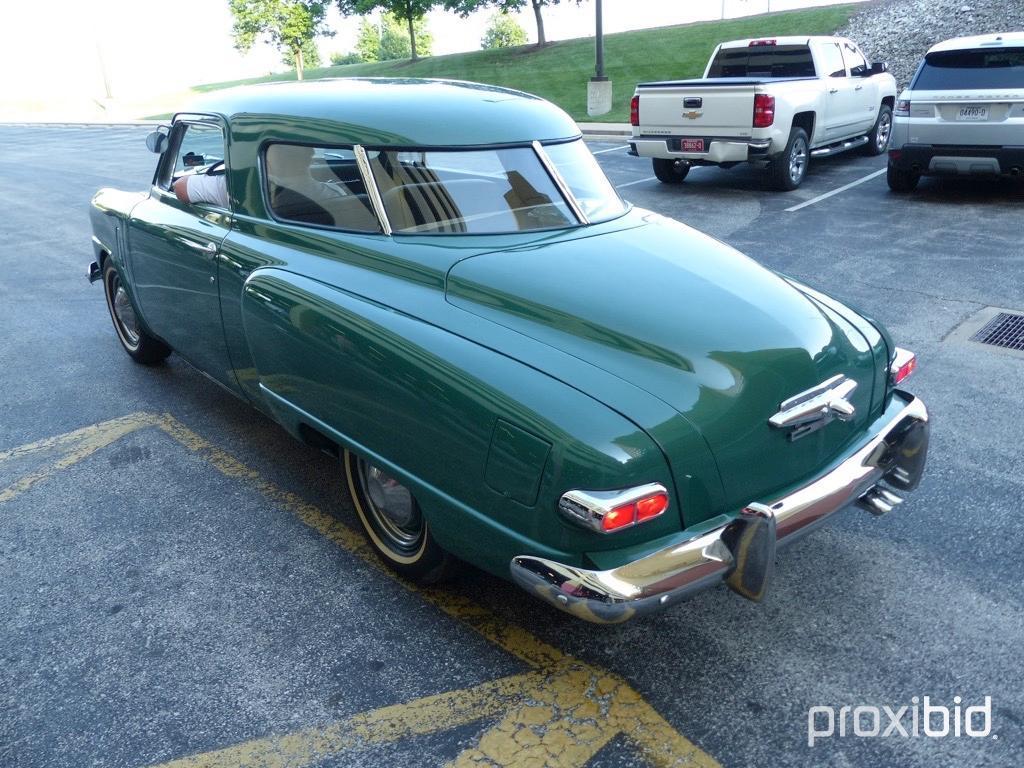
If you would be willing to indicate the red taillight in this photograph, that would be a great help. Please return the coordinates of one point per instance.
(902, 108)
(904, 363)
(634, 111)
(895, 155)
(638, 511)
(764, 110)
(755, 43)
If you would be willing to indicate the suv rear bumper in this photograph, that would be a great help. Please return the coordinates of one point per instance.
(741, 551)
(927, 159)
(719, 149)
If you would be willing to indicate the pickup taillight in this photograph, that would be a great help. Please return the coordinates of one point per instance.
(634, 111)
(764, 110)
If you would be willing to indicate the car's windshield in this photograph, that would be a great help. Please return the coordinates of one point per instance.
(978, 68)
(486, 191)
(763, 61)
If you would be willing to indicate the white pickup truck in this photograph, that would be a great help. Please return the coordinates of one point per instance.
(775, 102)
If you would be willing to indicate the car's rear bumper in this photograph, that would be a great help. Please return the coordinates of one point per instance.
(718, 149)
(927, 159)
(741, 552)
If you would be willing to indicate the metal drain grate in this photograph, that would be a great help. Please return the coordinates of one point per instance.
(1004, 330)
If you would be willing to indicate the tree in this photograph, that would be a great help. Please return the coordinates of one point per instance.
(408, 11)
(503, 32)
(466, 7)
(291, 26)
(389, 39)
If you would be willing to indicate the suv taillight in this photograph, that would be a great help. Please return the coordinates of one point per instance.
(764, 110)
(634, 111)
(902, 108)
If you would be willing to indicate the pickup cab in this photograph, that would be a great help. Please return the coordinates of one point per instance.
(774, 102)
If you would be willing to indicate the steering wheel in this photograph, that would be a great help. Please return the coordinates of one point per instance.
(216, 169)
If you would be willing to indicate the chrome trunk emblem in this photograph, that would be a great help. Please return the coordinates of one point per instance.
(816, 407)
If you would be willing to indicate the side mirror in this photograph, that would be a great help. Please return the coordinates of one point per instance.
(879, 68)
(156, 142)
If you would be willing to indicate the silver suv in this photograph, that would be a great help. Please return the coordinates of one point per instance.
(963, 112)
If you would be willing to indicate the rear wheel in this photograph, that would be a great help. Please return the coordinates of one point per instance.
(670, 171)
(787, 170)
(140, 346)
(900, 180)
(878, 139)
(394, 523)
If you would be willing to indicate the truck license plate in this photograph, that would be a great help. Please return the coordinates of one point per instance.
(691, 145)
(972, 113)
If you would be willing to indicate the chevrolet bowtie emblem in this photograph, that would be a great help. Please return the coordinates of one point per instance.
(693, 115)
(816, 407)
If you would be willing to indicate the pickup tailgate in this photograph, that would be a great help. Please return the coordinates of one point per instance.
(716, 107)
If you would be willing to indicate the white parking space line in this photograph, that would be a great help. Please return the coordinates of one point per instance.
(613, 149)
(843, 188)
(638, 181)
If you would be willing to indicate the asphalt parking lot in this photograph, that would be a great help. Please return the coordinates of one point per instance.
(181, 584)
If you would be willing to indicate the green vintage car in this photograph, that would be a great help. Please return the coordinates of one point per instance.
(435, 281)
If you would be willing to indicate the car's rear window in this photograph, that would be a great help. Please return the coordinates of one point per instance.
(763, 61)
(976, 68)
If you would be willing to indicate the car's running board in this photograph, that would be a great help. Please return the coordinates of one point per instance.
(842, 146)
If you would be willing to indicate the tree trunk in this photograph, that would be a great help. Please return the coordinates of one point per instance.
(298, 63)
(541, 41)
(412, 38)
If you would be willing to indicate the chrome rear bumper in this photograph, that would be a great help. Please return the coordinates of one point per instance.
(741, 552)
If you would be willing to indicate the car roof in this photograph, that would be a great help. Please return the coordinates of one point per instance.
(390, 112)
(790, 40)
(994, 40)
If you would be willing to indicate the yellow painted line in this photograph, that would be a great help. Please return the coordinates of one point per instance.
(556, 716)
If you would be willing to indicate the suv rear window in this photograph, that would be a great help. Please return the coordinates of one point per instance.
(978, 68)
(763, 61)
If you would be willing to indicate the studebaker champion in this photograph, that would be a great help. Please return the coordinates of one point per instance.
(516, 368)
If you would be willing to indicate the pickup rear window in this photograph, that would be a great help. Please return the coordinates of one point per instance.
(978, 68)
(763, 61)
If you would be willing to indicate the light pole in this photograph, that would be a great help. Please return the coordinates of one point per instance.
(599, 89)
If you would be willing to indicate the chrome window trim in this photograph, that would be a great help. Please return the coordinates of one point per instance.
(556, 177)
(370, 183)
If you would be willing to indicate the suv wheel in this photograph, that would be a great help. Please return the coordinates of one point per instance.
(901, 180)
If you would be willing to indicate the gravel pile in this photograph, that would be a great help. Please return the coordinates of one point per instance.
(901, 31)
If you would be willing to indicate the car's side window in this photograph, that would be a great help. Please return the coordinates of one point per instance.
(855, 60)
(199, 162)
(321, 186)
(832, 61)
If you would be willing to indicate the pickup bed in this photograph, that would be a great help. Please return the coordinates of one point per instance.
(775, 102)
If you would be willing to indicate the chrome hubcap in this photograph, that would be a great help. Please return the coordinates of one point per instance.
(391, 506)
(124, 313)
(884, 129)
(798, 160)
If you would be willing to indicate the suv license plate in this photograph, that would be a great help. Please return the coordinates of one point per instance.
(972, 113)
(691, 145)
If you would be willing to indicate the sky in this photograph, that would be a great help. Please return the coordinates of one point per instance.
(62, 48)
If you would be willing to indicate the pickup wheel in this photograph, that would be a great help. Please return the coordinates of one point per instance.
(787, 170)
(140, 346)
(900, 180)
(878, 139)
(670, 171)
(394, 524)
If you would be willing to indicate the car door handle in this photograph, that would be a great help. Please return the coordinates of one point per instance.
(859, 88)
(833, 90)
(210, 249)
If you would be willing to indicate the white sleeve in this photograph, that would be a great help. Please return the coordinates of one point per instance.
(208, 189)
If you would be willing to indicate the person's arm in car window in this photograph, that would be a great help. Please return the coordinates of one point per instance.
(200, 188)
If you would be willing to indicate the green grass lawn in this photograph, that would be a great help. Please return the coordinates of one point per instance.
(559, 72)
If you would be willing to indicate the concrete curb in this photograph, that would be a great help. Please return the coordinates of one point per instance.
(78, 124)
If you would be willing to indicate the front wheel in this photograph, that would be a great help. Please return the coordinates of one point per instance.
(878, 139)
(787, 170)
(670, 171)
(394, 523)
(900, 180)
(140, 346)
